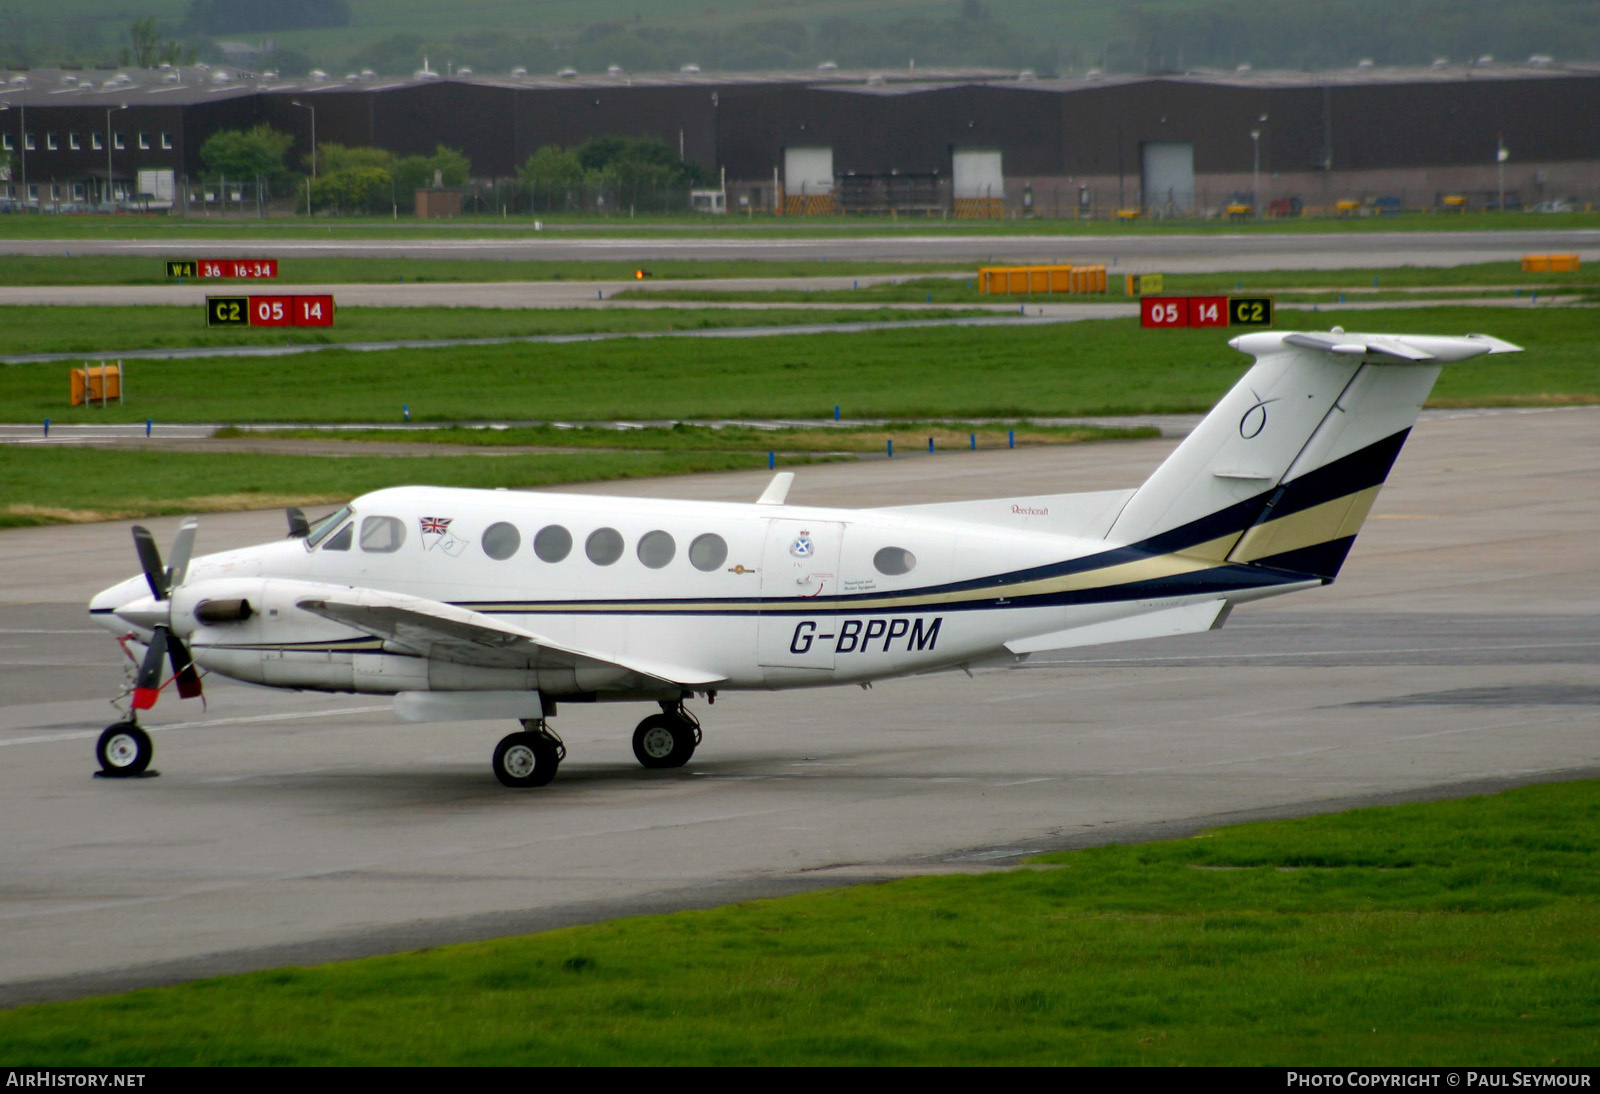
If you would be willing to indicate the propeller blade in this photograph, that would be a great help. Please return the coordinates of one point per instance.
(299, 527)
(150, 561)
(182, 548)
(183, 668)
(147, 685)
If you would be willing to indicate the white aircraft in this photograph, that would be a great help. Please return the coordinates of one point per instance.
(475, 604)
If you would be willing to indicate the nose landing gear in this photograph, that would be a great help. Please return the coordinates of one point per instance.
(124, 750)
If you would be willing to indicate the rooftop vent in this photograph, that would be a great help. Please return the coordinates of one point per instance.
(519, 71)
(567, 73)
(691, 70)
(827, 66)
(317, 74)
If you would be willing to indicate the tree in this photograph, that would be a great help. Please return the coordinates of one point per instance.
(360, 189)
(245, 154)
(333, 158)
(147, 47)
(413, 173)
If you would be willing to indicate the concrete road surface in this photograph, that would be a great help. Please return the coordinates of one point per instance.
(1460, 652)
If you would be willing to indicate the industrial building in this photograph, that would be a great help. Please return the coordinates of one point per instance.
(943, 143)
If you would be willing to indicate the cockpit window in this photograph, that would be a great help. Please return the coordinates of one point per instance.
(382, 535)
(341, 542)
(320, 530)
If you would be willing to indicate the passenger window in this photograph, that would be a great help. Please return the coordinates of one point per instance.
(553, 543)
(500, 541)
(604, 546)
(708, 552)
(656, 549)
(894, 561)
(382, 535)
(341, 542)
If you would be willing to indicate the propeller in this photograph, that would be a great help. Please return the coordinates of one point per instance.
(164, 644)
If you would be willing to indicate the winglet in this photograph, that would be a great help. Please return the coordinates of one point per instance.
(777, 490)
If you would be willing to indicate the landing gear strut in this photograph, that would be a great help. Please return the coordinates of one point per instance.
(667, 739)
(529, 758)
(123, 750)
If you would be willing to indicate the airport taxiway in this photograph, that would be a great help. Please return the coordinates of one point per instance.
(1460, 651)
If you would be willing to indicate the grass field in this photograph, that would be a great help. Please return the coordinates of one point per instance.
(701, 225)
(1463, 933)
(138, 270)
(71, 485)
(1482, 279)
(1092, 367)
(32, 329)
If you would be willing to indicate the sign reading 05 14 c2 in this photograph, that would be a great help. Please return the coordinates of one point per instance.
(1168, 312)
(269, 311)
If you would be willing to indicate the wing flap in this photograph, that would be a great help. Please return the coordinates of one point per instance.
(429, 628)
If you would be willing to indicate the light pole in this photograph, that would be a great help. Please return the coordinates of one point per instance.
(303, 106)
(1501, 154)
(1255, 169)
(1255, 173)
(110, 189)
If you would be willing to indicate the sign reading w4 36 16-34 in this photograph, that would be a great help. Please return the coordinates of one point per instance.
(269, 311)
(223, 267)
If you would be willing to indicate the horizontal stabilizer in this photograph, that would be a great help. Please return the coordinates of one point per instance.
(1188, 619)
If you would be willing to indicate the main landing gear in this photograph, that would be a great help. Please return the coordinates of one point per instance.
(530, 758)
(124, 750)
(667, 739)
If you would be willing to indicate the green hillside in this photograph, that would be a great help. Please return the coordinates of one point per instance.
(1049, 36)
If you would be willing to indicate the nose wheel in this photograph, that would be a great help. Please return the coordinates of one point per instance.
(667, 739)
(123, 750)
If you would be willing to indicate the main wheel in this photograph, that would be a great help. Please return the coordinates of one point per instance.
(663, 741)
(525, 759)
(124, 749)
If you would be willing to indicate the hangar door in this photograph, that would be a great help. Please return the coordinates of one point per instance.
(978, 173)
(807, 171)
(1168, 178)
(979, 182)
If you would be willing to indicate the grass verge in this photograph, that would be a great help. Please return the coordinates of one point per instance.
(47, 329)
(1486, 278)
(139, 270)
(942, 373)
(74, 485)
(700, 226)
(686, 437)
(1461, 933)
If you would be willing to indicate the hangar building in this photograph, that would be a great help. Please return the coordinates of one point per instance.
(944, 143)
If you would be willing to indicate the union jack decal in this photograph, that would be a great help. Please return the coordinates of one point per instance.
(435, 525)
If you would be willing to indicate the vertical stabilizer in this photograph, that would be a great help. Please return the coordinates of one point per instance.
(1284, 469)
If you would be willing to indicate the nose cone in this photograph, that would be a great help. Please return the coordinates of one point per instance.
(105, 605)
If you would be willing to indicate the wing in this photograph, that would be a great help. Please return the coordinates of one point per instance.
(429, 628)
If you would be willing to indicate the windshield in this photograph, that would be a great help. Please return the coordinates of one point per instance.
(320, 530)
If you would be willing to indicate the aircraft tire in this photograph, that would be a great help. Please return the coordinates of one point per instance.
(662, 741)
(123, 750)
(523, 760)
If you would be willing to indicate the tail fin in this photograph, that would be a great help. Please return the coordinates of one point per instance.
(1284, 469)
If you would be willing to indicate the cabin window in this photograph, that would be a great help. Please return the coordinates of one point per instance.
(553, 543)
(320, 530)
(894, 561)
(382, 535)
(501, 541)
(708, 552)
(656, 549)
(604, 546)
(341, 542)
